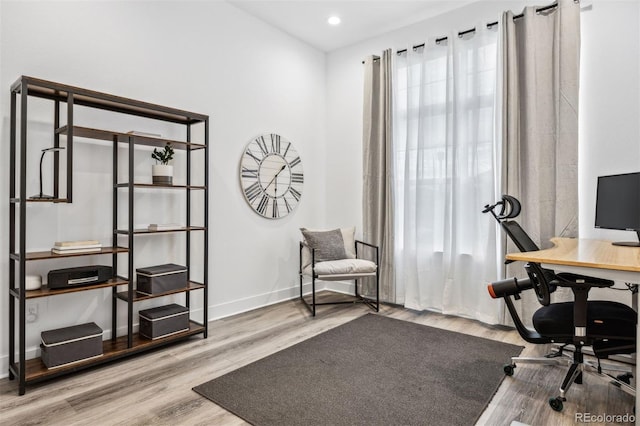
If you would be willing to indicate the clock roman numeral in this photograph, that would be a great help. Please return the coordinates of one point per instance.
(287, 205)
(295, 162)
(275, 143)
(263, 145)
(253, 191)
(252, 155)
(275, 212)
(297, 178)
(295, 194)
(262, 207)
(249, 173)
(286, 150)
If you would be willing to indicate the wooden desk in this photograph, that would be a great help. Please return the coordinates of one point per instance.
(600, 257)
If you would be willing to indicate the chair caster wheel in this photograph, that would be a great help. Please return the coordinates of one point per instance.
(508, 369)
(556, 403)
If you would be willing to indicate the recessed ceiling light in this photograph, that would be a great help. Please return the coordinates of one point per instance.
(334, 20)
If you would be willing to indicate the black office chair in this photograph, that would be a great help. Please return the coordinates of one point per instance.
(608, 327)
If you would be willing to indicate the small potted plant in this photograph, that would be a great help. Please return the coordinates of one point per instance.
(162, 172)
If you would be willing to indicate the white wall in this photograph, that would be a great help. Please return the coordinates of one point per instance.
(609, 99)
(609, 103)
(207, 57)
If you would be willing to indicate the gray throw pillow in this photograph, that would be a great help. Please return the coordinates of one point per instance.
(328, 245)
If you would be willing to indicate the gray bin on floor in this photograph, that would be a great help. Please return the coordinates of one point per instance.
(71, 344)
(163, 321)
(161, 278)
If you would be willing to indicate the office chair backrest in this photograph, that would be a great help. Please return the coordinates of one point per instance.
(519, 237)
(542, 280)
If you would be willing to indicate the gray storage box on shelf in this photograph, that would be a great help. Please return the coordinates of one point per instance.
(71, 344)
(163, 321)
(161, 278)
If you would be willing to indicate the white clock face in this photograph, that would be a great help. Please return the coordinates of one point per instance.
(271, 176)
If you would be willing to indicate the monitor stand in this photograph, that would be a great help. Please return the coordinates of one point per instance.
(629, 243)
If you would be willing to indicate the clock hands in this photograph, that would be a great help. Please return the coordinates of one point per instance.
(274, 178)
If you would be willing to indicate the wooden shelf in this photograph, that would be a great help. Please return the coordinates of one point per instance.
(40, 200)
(45, 291)
(110, 135)
(60, 92)
(137, 296)
(159, 185)
(147, 232)
(35, 369)
(42, 255)
(122, 146)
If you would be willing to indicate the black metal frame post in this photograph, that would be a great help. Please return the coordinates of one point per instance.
(206, 228)
(130, 242)
(69, 146)
(114, 241)
(188, 224)
(12, 236)
(56, 154)
(23, 237)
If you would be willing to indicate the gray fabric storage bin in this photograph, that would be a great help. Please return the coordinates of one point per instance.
(163, 321)
(161, 278)
(71, 344)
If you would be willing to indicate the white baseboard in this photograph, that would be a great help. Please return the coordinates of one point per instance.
(219, 311)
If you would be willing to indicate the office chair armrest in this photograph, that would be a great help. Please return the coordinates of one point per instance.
(580, 286)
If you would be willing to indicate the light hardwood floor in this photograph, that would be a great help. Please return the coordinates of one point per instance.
(155, 388)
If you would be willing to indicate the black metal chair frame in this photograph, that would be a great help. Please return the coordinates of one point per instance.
(358, 298)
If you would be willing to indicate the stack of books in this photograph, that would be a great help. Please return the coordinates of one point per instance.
(68, 247)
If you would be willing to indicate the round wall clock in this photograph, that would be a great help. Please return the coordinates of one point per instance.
(271, 176)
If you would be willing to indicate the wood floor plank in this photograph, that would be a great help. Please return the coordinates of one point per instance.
(155, 388)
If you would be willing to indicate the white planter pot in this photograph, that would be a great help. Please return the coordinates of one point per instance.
(162, 174)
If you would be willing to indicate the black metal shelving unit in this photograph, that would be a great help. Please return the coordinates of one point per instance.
(33, 370)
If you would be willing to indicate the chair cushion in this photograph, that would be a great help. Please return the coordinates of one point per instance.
(343, 267)
(328, 245)
(605, 320)
(348, 239)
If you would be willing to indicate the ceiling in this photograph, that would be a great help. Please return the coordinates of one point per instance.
(361, 19)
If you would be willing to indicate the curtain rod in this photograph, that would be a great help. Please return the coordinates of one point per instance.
(489, 25)
(472, 30)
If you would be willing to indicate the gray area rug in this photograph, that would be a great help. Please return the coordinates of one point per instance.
(373, 370)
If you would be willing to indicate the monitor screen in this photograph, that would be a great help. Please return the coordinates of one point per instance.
(618, 202)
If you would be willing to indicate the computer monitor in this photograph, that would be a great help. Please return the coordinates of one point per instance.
(618, 204)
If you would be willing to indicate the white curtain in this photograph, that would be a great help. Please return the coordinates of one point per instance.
(446, 169)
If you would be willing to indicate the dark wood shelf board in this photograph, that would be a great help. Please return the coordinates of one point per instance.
(35, 369)
(157, 185)
(45, 291)
(109, 135)
(38, 200)
(60, 92)
(137, 296)
(143, 231)
(42, 255)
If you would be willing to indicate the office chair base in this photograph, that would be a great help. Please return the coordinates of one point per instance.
(575, 373)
